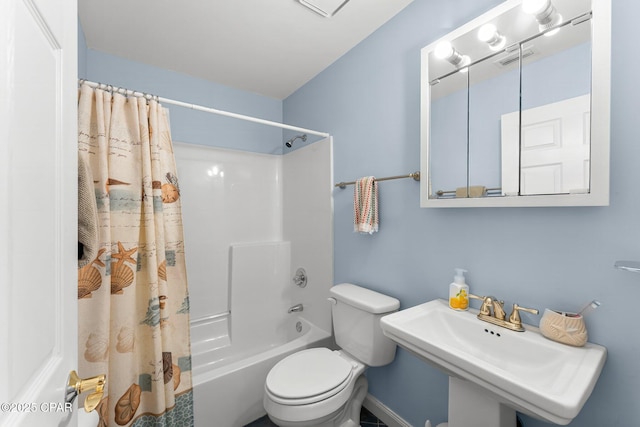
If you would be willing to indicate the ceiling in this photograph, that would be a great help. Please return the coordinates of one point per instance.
(269, 47)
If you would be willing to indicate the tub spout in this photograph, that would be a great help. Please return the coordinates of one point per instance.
(296, 308)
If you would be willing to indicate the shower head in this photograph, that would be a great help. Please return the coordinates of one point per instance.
(302, 137)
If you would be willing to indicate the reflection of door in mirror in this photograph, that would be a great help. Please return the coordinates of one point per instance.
(555, 149)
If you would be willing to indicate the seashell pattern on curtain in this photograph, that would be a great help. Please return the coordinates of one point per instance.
(133, 317)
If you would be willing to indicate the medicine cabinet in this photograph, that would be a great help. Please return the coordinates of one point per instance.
(515, 108)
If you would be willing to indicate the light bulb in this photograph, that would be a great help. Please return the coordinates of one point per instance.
(545, 13)
(444, 50)
(557, 18)
(534, 7)
(489, 34)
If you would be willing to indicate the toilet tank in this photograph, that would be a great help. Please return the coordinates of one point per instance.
(356, 323)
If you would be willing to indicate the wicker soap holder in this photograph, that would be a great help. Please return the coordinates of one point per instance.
(567, 328)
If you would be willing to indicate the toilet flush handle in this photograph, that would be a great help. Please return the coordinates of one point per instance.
(332, 300)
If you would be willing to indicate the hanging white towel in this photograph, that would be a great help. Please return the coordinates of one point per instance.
(365, 206)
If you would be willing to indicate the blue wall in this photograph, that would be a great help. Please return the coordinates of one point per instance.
(188, 125)
(539, 257)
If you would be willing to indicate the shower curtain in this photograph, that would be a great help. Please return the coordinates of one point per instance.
(133, 305)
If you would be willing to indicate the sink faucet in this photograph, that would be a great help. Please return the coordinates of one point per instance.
(492, 311)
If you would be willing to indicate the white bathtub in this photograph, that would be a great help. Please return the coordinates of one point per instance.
(228, 388)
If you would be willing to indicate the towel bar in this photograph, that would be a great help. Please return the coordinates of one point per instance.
(414, 175)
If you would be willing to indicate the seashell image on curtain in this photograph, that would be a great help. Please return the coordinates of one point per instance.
(133, 303)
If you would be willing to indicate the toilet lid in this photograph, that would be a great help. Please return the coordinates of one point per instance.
(308, 373)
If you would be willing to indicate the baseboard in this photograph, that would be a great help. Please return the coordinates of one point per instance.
(383, 412)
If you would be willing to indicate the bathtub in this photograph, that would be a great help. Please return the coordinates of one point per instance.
(228, 387)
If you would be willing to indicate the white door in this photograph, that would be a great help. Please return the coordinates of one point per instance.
(554, 154)
(38, 210)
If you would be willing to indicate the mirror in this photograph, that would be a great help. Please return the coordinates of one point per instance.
(515, 108)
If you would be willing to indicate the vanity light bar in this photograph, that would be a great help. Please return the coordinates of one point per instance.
(578, 19)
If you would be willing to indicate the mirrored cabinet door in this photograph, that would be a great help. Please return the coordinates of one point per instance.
(555, 117)
(493, 91)
(449, 133)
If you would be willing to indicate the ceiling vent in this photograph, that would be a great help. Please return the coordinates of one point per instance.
(326, 8)
(514, 57)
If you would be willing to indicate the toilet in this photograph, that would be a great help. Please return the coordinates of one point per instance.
(320, 387)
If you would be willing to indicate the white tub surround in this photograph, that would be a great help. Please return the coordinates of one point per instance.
(251, 220)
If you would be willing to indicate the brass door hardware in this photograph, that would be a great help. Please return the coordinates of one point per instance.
(77, 385)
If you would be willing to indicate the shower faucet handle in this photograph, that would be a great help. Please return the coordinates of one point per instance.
(300, 279)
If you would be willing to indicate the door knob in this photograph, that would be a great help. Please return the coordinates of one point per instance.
(77, 385)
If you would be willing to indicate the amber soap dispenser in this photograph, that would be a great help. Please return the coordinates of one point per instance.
(459, 291)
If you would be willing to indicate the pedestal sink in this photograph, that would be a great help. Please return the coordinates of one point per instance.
(494, 371)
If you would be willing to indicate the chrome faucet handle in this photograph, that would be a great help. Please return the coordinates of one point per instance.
(515, 314)
(486, 303)
(295, 309)
(300, 279)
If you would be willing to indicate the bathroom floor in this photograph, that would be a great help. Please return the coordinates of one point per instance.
(367, 419)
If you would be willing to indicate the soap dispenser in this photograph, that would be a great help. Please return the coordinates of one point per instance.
(459, 291)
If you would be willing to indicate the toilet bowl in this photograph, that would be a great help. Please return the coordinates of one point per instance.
(319, 387)
(315, 387)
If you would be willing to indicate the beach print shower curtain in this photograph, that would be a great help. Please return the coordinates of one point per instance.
(133, 304)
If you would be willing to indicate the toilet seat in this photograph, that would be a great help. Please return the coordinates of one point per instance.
(308, 376)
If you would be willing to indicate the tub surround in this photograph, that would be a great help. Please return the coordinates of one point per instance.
(247, 229)
(256, 319)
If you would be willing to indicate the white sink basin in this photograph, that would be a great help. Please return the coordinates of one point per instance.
(523, 370)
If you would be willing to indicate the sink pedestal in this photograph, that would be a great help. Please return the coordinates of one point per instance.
(472, 406)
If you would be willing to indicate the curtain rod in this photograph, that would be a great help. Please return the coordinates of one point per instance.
(162, 100)
(414, 175)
